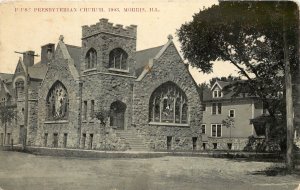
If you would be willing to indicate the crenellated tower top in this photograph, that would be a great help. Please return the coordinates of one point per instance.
(106, 27)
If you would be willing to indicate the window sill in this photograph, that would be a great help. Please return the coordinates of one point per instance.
(86, 121)
(89, 70)
(58, 121)
(118, 70)
(170, 124)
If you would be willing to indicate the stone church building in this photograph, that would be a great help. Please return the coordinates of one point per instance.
(146, 100)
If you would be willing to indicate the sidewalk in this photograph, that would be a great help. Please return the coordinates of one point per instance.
(63, 152)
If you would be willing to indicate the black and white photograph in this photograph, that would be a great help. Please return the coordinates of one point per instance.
(149, 95)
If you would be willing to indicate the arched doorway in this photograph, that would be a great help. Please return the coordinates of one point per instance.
(117, 115)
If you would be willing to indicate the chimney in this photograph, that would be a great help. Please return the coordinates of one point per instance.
(47, 53)
(28, 58)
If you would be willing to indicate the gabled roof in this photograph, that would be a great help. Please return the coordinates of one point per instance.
(148, 66)
(143, 57)
(66, 55)
(75, 52)
(221, 84)
(228, 90)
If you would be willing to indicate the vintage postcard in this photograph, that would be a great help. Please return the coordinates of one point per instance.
(144, 95)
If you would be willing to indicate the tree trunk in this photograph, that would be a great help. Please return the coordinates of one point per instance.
(5, 129)
(289, 107)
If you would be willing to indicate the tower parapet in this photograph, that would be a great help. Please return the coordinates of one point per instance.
(106, 27)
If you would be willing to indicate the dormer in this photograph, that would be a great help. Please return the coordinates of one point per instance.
(216, 90)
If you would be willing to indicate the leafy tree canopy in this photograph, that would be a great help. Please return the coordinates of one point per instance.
(248, 35)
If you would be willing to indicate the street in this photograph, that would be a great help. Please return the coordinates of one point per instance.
(31, 172)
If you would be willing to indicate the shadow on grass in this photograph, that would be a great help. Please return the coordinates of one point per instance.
(277, 170)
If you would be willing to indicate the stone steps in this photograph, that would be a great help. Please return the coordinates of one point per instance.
(136, 143)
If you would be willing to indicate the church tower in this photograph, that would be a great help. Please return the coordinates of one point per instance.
(107, 48)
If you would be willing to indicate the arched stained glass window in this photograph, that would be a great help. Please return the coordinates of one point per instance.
(168, 104)
(91, 59)
(57, 102)
(118, 59)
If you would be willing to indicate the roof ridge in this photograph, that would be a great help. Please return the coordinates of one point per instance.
(149, 48)
(73, 45)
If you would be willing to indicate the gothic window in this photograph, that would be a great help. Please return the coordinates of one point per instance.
(57, 102)
(168, 104)
(91, 59)
(118, 59)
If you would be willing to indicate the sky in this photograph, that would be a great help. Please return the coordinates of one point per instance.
(29, 25)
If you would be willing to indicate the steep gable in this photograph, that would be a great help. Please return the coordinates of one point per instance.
(63, 53)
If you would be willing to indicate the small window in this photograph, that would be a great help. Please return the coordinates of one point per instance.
(92, 109)
(216, 130)
(203, 129)
(216, 108)
(45, 139)
(55, 140)
(231, 113)
(91, 141)
(169, 142)
(217, 94)
(203, 146)
(65, 140)
(83, 140)
(229, 146)
(215, 145)
(84, 110)
(194, 139)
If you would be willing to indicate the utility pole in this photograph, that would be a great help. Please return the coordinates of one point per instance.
(25, 99)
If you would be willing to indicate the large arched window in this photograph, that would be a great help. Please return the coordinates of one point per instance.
(91, 58)
(57, 102)
(118, 59)
(168, 104)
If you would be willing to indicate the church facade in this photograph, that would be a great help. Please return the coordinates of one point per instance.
(105, 95)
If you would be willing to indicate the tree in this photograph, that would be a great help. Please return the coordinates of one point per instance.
(228, 123)
(256, 37)
(103, 115)
(229, 78)
(7, 114)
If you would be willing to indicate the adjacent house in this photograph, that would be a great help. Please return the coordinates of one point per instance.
(226, 117)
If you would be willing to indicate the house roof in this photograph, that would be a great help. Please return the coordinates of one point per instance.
(143, 57)
(75, 52)
(38, 70)
(6, 77)
(229, 92)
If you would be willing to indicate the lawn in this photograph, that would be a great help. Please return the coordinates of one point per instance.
(31, 172)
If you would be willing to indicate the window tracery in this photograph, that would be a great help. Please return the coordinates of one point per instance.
(168, 104)
(57, 102)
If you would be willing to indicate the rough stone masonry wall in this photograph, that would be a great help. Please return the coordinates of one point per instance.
(169, 67)
(59, 71)
(104, 40)
(105, 89)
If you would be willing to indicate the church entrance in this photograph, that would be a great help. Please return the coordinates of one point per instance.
(117, 115)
